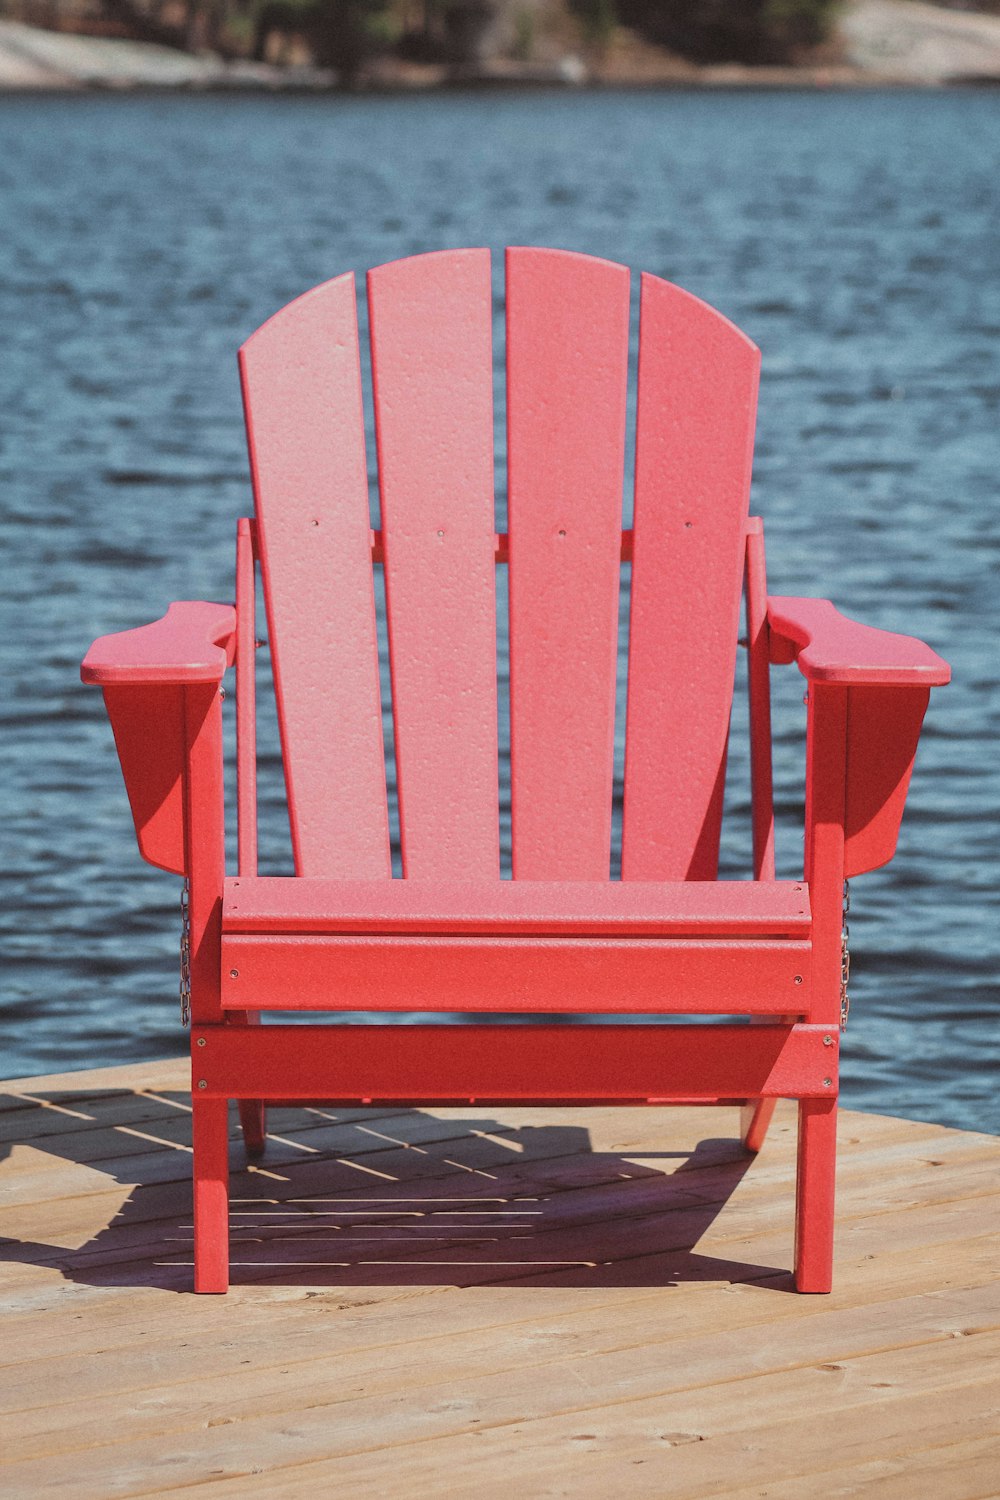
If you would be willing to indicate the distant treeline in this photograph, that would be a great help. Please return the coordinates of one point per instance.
(350, 35)
(744, 31)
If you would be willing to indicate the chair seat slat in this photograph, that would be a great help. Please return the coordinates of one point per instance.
(727, 908)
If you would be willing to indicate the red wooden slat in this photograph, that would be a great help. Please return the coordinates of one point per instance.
(694, 441)
(567, 370)
(246, 700)
(664, 975)
(724, 908)
(501, 1062)
(302, 392)
(759, 696)
(431, 336)
(204, 843)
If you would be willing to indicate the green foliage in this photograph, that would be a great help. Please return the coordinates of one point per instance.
(341, 34)
(598, 19)
(524, 34)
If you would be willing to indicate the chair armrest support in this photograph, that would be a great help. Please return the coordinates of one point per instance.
(881, 682)
(193, 642)
(829, 647)
(161, 692)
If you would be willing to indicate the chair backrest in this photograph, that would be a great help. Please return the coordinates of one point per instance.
(567, 349)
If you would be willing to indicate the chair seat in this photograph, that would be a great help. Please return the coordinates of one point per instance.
(532, 946)
(511, 908)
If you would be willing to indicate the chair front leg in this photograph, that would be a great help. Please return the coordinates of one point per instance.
(814, 1195)
(211, 1194)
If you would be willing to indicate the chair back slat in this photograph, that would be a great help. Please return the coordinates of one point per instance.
(694, 444)
(567, 368)
(431, 339)
(302, 393)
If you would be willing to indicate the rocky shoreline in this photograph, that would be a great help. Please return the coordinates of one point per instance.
(903, 43)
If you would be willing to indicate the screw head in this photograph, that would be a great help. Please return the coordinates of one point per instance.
(828, 1041)
(827, 1083)
(234, 973)
(202, 1083)
(798, 979)
(201, 1041)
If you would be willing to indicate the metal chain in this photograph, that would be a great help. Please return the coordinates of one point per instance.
(185, 988)
(845, 961)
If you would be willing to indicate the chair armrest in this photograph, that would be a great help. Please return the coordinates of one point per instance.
(831, 648)
(193, 642)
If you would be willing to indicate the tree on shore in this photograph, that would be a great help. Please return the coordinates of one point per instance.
(743, 31)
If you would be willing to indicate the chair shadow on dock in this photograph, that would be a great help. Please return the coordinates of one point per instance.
(98, 1188)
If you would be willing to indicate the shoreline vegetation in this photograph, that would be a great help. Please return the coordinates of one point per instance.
(419, 45)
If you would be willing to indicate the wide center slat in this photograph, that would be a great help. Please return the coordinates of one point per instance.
(567, 370)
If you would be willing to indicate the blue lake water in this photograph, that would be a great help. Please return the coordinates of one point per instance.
(856, 238)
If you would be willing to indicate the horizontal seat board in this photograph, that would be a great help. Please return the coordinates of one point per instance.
(422, 1063)
(295, 971)
(274, 904)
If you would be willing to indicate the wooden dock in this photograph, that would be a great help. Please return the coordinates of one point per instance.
(486, 1303)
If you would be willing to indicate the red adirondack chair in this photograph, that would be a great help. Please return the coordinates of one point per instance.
(669, 938)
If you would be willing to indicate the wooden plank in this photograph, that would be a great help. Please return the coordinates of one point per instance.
(546, 1387)
(694, 443)
(153, 1351)
(96, 1083)
(721, 1409)
(732, 908)
(500, 1161)
(567, 365)
(963, 1470)
(709, 976)
(680, 1451)
(302, 392)
(432, 368)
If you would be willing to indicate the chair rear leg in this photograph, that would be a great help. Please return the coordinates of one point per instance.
(253, 1112)
(253, 1119)
(211, 1194)
(814, 1195)
(755, 1117)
